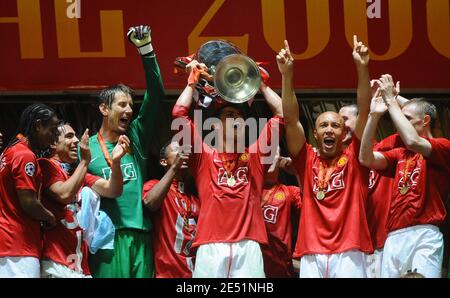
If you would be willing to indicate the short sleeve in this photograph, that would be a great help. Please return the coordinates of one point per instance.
(90, 179)
(25, 169)
(295, 194)
(392, 157)
(389, 143)
(299, 161)
(187, 134)
(51, 174)
(148, 186)
(440, 153)
(273, 130)
(354, 146)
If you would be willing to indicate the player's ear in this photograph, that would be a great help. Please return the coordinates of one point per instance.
(427, 120)
(316, 135)
(103, 107)
(163, 162)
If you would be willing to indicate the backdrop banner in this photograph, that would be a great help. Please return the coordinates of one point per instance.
(60, 45)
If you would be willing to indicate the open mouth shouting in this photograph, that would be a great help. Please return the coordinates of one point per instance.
(124, 121)
(329, 142)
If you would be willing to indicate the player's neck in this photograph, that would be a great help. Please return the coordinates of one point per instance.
(179, 177)
(60, 159)
(56, 157)
(108, 134)
(269, 183)
(29, 142)
(426, 133)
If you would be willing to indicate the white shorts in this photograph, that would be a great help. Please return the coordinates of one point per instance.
(241, 259)
(418, 248)
(50, 269)
(350, 263)
(19, 267)
(373, 264)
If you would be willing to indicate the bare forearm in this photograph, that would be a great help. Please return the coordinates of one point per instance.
(295, 134)
(290, 106)
(186, 97)
(113, 187)
(364, 92)
(32, 206)
(65, 192)
(366, 156)
(404, 128)
(155, 197)
(363, 98)
(273, 100)
(401, 100)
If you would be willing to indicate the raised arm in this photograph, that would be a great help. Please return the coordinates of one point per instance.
(144, 124)
(65, 192)
(295, 134)
(113, 187)
(361, 59)
(405, 129)
(273, 100)
(400, 99)
(154, 199)
(367, 157)
(195, 69)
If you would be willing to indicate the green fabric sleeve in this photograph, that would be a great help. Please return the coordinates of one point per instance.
(143, 126)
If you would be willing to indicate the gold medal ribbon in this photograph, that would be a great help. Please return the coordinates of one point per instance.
(410, 165)
(325, 174)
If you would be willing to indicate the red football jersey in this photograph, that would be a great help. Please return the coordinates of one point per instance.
(277, 203)
(379, 198)
(20, 235)
(174, 230)
(64, 243)
(337, 223)
(231, 209)
(419, 192)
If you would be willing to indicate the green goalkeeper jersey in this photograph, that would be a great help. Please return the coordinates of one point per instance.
(127, 211)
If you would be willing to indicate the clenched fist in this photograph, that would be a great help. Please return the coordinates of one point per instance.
(141, 38)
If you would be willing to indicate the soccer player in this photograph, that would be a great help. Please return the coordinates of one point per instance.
(133, 253)
(278, 202)
(378, 200)
(349, 113)
(333, 235)
(174, 213)
(421, 168)
(21, 212)
(230, 227)
(65, 252)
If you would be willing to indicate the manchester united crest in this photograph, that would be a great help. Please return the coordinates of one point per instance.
(342, 161)
(279, 196)
(244, 157)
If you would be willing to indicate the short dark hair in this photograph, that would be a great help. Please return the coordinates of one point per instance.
(163, 151)
(106, 96)
(426, 108)
(242, 107)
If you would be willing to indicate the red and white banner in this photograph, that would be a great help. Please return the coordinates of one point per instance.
(81, 44)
